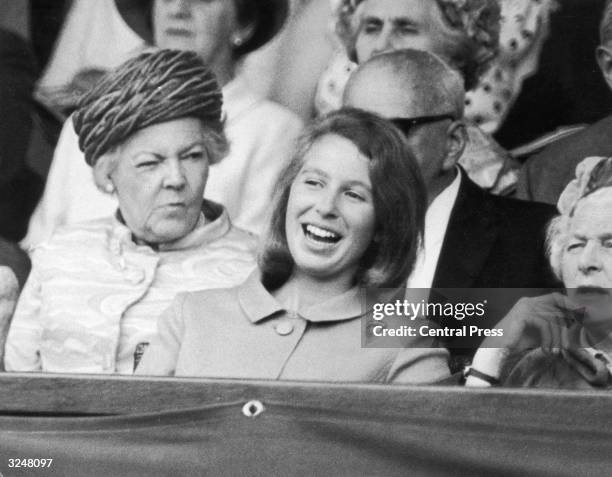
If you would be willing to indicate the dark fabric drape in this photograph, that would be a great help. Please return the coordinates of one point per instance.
(326, 430)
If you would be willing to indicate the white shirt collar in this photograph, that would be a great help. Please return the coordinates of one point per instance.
(436, 223)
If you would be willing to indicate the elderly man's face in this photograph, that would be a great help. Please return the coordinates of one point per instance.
(380, 91)
(387, 25)
(587, 258)
(160, 177)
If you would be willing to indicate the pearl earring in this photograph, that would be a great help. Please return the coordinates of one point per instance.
(109, 188)
(237, 41)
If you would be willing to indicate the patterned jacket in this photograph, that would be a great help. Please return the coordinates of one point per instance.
(92, 300)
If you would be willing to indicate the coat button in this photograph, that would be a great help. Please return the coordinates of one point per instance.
(284, 328)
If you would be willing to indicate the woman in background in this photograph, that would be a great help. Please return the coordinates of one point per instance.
(349, 214)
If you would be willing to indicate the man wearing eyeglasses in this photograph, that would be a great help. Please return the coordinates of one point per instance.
(472, 239)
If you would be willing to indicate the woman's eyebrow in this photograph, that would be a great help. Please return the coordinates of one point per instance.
(360, 183)
(314, 170)
(198, 142)
(578, 236)
(372, 20)
(403, 22)
(146, 152)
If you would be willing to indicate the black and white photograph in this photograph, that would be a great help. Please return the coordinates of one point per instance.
(305, 237)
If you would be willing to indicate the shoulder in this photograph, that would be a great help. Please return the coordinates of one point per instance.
(506, 208)
(95, 227)
(566, 153)
(213, 303)
(525, 211)
(78, 237)
(268, 115)
(237, 240)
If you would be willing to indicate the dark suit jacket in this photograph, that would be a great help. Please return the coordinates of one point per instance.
(493, 250)
(19, 186)
(568, 87)
(494, 242)
(545, 175)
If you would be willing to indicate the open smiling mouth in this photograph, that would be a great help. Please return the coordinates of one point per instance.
(320, 235)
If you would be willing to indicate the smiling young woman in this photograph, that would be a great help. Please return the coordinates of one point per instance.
(348, 215)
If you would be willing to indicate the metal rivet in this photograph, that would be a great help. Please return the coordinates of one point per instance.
(253, 408)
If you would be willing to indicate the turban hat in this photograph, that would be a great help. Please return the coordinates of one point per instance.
(592, 174)
(152, 88)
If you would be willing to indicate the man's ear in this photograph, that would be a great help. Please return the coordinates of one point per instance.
(456, 139)
(604, 60)
(102, 171)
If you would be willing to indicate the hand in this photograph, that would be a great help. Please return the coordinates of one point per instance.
(536, 322)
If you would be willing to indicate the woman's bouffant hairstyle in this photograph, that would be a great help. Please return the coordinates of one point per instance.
(476, 24)
(593, 174)
(399, 196)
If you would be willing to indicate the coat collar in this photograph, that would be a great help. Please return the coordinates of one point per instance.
(471, 232)
(258, 304)
(213, 224)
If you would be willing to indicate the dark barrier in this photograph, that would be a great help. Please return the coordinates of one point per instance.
(126, 426)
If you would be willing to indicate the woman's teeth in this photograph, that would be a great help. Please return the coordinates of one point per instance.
(323, 235)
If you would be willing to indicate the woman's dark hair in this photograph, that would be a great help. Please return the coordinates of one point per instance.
(398, 192)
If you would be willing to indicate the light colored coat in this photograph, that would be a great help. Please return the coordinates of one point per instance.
(94, 295)
(243, 332)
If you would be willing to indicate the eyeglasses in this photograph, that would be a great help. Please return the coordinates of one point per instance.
(406, 124)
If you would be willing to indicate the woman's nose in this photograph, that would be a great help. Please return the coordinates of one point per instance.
(174, 175)
(180, 8)
(326, 203)
(590, 258)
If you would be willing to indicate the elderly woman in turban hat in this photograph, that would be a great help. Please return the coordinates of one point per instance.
(261, 133)
(571, 332)
(150, 130)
